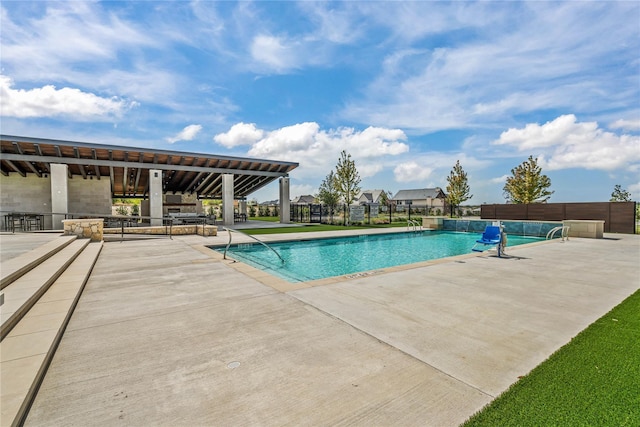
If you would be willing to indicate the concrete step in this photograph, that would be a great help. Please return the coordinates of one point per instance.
(21, 294)
(12, 269)
(28, 348)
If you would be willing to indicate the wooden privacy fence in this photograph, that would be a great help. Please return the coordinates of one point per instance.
(618, 217)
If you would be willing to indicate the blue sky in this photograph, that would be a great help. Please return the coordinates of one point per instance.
(407, 88)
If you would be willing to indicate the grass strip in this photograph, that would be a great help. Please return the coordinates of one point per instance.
(594, 380)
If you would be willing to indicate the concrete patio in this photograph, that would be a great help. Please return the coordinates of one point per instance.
(167, 333)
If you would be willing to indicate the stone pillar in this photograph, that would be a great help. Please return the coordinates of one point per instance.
(91, 228)
(155, 196)
(242, 207)
(285, 203)
(59, 194)
(227, 199)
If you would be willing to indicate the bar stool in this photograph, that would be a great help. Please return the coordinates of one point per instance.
(16, 220)
(32, 222)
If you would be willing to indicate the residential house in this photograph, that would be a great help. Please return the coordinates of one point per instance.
(304, 200)
(370, 196)
(422, 199)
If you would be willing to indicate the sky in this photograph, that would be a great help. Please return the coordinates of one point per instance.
(406, 88)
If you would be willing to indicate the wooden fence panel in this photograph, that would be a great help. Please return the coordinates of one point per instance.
(618, 217)
(554, 212)
(623, 217)
(536, 212)
(511, 211)
(488, 211)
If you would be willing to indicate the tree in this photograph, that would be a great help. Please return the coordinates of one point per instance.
(122, 210)
(328, 193)
(384, 198)
(528, 184)
(347, 178)
(620, 195)
(457, 187)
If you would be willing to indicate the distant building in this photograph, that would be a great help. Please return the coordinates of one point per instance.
(422, 198)
(369, 196)
(304, 200)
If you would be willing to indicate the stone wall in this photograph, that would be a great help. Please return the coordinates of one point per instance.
(176, 230)
(90, 228)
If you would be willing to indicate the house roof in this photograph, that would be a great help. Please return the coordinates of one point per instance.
(370, 196)
(304, 199)
(127, 167)
(419, 194)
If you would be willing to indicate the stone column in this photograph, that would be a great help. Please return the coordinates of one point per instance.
(285, 203)
(227, 199)
(155, 196)
(59, 194)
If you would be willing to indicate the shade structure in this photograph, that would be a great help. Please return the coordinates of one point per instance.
(127, 167)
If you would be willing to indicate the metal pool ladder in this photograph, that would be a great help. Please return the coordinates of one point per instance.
(564, 232)
(413, 225)
(229, 230)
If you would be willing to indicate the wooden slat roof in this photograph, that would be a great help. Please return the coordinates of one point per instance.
(127, 167)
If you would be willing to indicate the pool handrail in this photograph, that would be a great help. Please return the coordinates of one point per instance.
(413, 224)
(229, 230)
(564, 234)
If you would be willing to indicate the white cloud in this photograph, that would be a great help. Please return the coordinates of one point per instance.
(550, 134)
(367, 170)
(240, 134)
(302, 190)
(629, 125)
(565, 143)
(187, 134)
(84, 44)
(420, 167)
(301, 137)
(499, 180)
(67, 33)
(334, 22)
(412, 171)
(275, 52)
(634, 189)
(48, 101)
(318, 150)
(552, 60)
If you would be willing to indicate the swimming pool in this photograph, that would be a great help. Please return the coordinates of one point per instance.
(306, 260)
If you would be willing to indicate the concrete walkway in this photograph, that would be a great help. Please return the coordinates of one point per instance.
(168, 334)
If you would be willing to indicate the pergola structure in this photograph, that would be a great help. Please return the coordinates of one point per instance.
(129, 168)
(124, 166)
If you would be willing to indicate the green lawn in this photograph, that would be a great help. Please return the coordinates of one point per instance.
(594, 380)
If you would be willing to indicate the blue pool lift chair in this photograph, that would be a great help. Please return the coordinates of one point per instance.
(492, 236)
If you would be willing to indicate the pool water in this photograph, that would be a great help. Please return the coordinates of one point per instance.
(317, 259)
